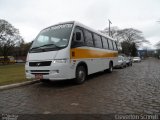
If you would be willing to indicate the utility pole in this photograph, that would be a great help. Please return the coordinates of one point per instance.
(109, 26)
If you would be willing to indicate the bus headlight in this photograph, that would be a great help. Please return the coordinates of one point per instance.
(27, 63)
(60, 61)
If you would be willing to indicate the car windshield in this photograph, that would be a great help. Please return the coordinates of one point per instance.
(52, 38)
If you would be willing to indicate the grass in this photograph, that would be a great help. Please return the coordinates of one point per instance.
(12, 74)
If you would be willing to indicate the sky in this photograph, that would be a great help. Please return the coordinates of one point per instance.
(31, 16)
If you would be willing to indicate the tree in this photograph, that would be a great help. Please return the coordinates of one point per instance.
(129, 49)
(9, 38)
(132, 36)
(128, 34)
(132, 39)
(133, 49)
(22, 49)
(126, 47)
(128, 39)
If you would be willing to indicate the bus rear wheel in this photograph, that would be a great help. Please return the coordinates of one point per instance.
(80, 74)
(110, 67)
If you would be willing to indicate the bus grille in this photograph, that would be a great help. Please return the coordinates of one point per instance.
(37, 64)
(43, 72)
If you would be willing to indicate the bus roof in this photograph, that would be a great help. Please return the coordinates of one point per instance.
(76, 23)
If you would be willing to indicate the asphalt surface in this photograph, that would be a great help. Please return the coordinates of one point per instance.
(130, 90)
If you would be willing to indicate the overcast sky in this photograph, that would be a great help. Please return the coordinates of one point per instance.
(30, 16)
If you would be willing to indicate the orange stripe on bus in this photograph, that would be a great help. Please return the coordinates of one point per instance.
(77, 53)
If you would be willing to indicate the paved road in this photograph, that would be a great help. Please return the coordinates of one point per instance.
(131, 90)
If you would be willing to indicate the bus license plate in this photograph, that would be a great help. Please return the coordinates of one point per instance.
(38, 76)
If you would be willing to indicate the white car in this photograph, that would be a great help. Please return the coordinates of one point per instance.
(121, 62)
(136, 59)
(128, 61)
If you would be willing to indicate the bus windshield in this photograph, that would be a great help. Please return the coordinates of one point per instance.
(52, 38)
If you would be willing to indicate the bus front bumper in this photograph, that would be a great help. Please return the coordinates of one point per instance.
(62, 72)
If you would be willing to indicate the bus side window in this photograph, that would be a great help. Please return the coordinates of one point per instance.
(105, 43)
(97, 40)
(115, 46)
(110, 44)
(88, 38)
(77, 38)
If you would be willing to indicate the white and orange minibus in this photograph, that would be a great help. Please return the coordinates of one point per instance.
(70, 50)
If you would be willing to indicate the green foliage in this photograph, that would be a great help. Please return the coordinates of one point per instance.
(126, 47)
(129, 48)
(133, 50)
(9, 38)
(22, 50)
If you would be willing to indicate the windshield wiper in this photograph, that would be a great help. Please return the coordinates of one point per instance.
(45, 46)
(35, 48)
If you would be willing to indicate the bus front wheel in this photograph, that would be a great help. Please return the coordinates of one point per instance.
(80, 74)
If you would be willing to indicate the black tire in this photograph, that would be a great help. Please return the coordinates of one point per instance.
(80, 75)
(110, 67)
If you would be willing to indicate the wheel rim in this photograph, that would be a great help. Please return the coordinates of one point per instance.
(81, 75)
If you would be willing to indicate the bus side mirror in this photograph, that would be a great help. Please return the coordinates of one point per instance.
(78, 36)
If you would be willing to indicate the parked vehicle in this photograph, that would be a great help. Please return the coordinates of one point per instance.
(19, 61)
(136, 59)
(70, 50)
(128, 61)
(121, 62)
(8, 60)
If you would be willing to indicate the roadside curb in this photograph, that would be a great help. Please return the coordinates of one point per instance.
(4, 87)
